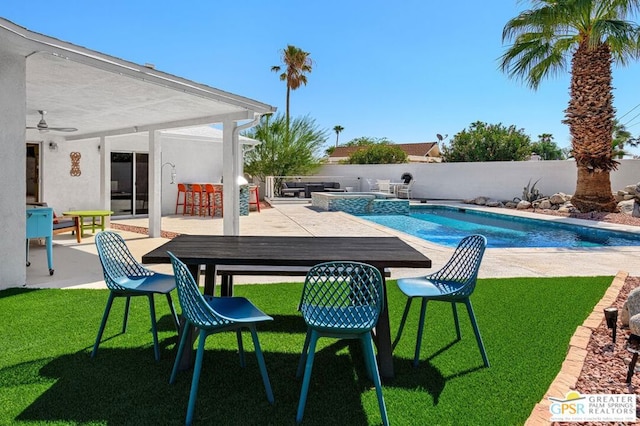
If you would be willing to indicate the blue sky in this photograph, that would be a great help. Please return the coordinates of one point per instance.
(403, 70)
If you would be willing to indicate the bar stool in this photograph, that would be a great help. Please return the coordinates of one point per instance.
(182, 189)
(197, 199)
(254, 197)
(211, 204)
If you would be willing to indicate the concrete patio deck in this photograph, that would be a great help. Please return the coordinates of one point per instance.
(77, 266)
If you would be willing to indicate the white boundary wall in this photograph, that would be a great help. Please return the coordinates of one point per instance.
(497, 180)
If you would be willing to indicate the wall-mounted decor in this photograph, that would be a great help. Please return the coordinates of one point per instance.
(75, 164)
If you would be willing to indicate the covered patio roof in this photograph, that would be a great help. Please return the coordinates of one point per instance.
(104, 96)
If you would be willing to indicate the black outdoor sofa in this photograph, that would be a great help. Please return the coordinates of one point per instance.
(296, 189)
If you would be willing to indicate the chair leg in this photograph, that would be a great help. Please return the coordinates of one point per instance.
(307, 376)
(375, 375)
(196, 378)
(303, 356)
(103, 323)
(125, 319)
(367, 360)
(154, 327)
(476, 330)
(454, 308)
(178, 201)
(176, 321)
(183, 339)
(186, 203)
(240, 347)
(404, 319)
(261, 364)
(423, 312)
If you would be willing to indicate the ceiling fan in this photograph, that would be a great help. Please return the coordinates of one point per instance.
(43, 127)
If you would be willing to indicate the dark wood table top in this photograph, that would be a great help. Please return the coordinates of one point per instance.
(381, 252)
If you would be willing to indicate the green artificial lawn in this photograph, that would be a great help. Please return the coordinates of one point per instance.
(48, 377)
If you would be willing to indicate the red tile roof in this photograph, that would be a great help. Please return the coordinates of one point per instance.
(418, 149)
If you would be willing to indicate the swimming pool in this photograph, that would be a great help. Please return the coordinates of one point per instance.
(448, 225)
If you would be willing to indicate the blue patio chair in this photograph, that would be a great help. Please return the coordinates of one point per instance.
(213, 315)
(341, 300)
(125, 277)
(453, 283)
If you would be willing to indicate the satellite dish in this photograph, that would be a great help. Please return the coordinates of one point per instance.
(439, 136)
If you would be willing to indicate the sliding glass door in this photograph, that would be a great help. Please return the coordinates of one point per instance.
(129, 183)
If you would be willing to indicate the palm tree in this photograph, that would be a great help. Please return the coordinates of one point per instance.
(297, 64)
(593, 34)
(337, 129)
(621, 137)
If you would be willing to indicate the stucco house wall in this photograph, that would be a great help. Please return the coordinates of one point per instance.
(12, 166)
(197, 159)
(59, 189)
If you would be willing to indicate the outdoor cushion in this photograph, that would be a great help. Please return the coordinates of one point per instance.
(64, 223)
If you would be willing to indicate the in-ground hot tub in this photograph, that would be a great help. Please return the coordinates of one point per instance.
(360, 202)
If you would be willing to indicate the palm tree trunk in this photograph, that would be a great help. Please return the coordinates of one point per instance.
(288, 95)
(590, 116)
(593, 192)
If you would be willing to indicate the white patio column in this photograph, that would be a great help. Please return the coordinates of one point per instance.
(13, 168)
(231, 191)
(155, 184)
(105, 173)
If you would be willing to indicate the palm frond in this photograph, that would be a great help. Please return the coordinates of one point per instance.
(546, 36)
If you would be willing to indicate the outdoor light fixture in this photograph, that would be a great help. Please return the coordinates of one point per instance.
(173, 171)
(611, 315)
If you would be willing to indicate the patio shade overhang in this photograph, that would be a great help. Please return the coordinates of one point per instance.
(102, 95)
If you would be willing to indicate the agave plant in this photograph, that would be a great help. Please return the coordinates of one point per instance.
(530, 193)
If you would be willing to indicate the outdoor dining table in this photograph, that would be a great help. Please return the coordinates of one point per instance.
(212, 250)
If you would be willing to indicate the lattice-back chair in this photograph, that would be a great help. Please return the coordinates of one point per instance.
(125, 277)
(341, 300)
(453, 283)
(213, 315)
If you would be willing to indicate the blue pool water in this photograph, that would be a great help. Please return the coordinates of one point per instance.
(448, 225)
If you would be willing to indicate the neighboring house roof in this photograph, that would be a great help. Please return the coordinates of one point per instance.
(417, 152)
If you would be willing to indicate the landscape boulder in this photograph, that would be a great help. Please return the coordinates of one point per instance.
(628, 200)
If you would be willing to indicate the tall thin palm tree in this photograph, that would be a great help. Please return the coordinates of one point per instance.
(297, 64)
(621, 137)
(588, 36)
(337, 129)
